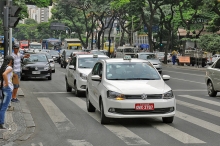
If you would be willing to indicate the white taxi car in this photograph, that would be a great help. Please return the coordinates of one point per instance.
(77, 70)
(129, 88)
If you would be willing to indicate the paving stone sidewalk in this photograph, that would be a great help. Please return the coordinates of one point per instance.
(19, 121)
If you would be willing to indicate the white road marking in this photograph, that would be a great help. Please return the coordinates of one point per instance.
(62, 123)
(122, 132)
(195, 90)
(40, 144)
(50, 92)
(201, 99)
(188, 81)
(204, 124)
(177, 134)
(185, 73)
(199, 108)
(79, 142)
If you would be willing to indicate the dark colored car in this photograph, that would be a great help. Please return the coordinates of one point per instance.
(37, 65)
(54, 54)
(65, 56)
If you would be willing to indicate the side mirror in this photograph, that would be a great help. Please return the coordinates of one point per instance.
(96, 78)
(72, 67)
(166, 77)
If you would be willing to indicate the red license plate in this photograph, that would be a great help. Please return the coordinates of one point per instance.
(144, 106)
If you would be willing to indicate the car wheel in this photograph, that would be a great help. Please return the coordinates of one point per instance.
(90, 107)
(160, 72)
(104, 119)
(53, 71)
(167, 119)
(77, 92)
(211, 91)
(50, 77)
(68, 88)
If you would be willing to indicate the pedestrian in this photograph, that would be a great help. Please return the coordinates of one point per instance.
(174, 53)
(17, 69)
(6, 74)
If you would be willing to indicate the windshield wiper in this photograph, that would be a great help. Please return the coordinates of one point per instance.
(117, 79)
(84, 67)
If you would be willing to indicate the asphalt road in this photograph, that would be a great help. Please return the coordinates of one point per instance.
(62, 120)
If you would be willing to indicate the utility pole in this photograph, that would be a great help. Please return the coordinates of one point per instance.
(5, 22)
(10, 32)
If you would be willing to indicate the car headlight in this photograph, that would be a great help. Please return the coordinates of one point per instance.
(115, 95)
(83, 76)
(168, 95)
(47, 67)
(67, 60)
(25, 68)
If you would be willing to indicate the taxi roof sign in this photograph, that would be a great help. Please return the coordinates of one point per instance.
(127, 57)
(95, 55)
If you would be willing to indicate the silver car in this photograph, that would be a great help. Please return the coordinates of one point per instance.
(213, 78)
(151, 57)
(52, 62)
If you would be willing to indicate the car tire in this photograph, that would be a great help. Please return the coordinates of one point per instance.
(167, 119)
(160, 72)
(77, 92)
(50, 77)
(53, 71)
(211, 91)
(68, 88)
(90, 107)
(104, 119)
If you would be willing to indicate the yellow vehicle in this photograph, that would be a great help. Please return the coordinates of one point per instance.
(72, 44)
(106, 47)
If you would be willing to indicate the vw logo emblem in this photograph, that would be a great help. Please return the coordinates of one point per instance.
(144, 96)
(36, 68)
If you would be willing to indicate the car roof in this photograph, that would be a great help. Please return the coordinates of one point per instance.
(122, 60)
(145, 53)
(90, 55)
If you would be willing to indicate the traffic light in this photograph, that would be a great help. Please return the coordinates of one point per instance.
(13, 16)
(161, 44)
(2, 4)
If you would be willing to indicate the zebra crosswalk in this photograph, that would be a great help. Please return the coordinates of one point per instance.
(127, 135)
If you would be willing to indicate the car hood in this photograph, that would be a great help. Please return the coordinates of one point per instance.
(35, 64)
(55, 55)
(138, 87)
(85, 71)
(153, 61)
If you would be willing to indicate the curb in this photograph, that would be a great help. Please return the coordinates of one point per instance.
(23, 125)
(186, 67)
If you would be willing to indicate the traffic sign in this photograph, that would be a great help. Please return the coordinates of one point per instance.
(57, 26)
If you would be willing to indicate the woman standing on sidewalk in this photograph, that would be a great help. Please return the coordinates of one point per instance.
(6, 74)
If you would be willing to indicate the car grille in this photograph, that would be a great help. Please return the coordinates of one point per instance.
(33, 68)
(143, 112)
(150, 96)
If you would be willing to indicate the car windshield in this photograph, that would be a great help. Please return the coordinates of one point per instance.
(36, 58)
(98, 52)
(147, 56)
(49, 56)
(88, 62)
(53, 52)
(68, 52)
(131, 71)
(130, 50)
(35, 46)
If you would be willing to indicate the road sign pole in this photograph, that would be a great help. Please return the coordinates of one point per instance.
(10, 34)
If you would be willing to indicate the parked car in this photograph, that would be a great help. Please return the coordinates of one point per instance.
(213, 78)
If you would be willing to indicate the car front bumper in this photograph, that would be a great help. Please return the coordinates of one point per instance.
(81, 84)
(29, 74)
(126, 108)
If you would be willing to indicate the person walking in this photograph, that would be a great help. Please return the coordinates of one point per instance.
(174, 54)
(6, 74)
(17, 69)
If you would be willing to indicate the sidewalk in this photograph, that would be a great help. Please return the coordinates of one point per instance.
(19, 121)
(186, 67)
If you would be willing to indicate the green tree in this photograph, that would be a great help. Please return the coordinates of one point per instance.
(29, 21)
(210, 42)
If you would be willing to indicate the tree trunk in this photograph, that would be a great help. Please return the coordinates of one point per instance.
(99, 36)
